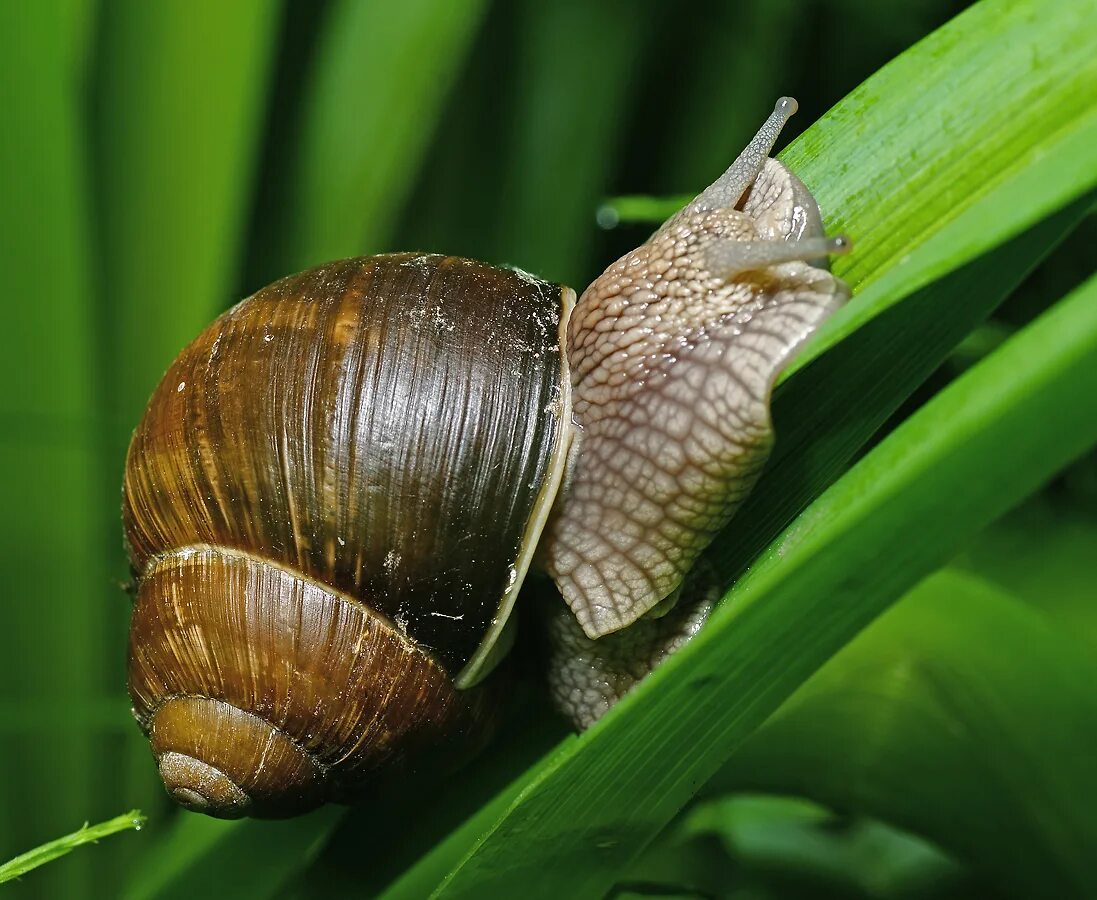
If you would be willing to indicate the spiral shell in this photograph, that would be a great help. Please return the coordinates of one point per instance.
(329, 506)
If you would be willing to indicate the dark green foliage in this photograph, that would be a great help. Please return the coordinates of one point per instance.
(160, 160)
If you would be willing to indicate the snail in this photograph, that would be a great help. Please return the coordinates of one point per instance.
(339, 487)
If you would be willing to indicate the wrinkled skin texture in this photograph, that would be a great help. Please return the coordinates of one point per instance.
(587, 677)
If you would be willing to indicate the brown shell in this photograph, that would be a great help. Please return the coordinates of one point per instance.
(334, 487)
(221, 641)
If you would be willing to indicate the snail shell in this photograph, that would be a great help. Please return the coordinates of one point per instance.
(329, 507)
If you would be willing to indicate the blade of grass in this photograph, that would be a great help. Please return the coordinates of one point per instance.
(893, 518)
(179, 106)
(989, 731)
(566, 127)
(378, 79)
(199, 856)
(1038, 55)
(1058, 168)
(88, 834)
(49, 541)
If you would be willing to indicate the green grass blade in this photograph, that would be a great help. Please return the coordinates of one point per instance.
(89, 834)
(559, 157)
(979, 97)
(243, 859)
(896, 516)
(179, 101)
(1060, 168)
(357, 148)
(50, 536)
(959, 710)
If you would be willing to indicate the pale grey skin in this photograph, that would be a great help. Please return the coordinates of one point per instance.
(674, 351)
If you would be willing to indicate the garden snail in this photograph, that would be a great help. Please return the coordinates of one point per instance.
(338, 488)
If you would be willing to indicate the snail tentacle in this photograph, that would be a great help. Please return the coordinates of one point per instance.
(730, 258)
(727, 190)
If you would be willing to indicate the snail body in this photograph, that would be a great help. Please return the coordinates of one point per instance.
(338, 488)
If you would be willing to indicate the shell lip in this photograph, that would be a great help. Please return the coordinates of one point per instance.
(500, 635)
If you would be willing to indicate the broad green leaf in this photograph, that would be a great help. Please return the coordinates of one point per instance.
(896, 516)
(959, 710)
(89, 834)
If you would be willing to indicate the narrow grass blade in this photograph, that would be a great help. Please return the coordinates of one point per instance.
(961, 714)
(49, 536)
(896, 516)
(377, 82)
(559, 156)
(179, 105)
(935, 155)
(89, 834)
(244, 859)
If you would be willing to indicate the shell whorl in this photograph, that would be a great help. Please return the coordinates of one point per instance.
(266, 693)
(329, 507)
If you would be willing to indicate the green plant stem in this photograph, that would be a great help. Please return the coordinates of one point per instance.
(50, 851)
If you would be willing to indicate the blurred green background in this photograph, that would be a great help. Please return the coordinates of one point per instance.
(160, 160)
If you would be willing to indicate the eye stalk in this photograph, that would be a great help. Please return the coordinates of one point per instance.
(727, 190)
(730, 258)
